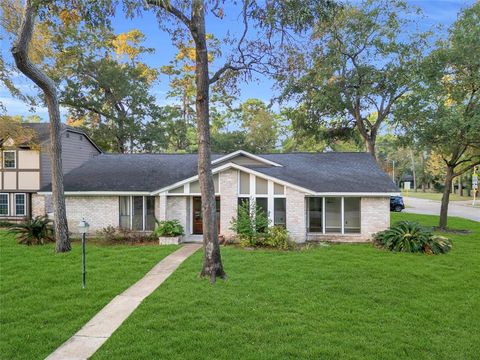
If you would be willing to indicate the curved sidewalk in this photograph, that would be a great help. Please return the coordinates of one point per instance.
(94, 333)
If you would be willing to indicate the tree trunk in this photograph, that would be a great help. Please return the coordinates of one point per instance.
(371, 146)
(445, 198)
(460, 185)
(212, 261)
(20, 54)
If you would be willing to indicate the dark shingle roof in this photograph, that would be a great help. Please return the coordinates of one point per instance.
(319, 172)
(330, 172)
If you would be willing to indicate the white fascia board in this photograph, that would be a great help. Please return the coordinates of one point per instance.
(188, 180)
(100, 193)
(247, 154)
(356, 194)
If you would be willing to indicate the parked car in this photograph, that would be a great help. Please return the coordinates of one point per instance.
(396, 203)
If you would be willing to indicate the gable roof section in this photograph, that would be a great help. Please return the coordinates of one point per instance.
(42, 131)
(238, 153)
(152, 173)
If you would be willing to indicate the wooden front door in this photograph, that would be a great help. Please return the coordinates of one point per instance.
(197, 217)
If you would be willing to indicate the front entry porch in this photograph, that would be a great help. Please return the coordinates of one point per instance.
(197, 216)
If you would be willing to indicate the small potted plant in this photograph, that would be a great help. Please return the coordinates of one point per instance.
(169, 232)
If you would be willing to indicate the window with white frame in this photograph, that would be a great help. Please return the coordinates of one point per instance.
(4, 204)
(137, 212)
(20, 205)
(9, 159)
(333, 215)
(268, 195)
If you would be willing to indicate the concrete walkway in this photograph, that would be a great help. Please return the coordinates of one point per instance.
(93, 334)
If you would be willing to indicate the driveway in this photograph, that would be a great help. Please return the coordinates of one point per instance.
(431, 207)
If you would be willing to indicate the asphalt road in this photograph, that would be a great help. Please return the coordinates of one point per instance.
(431, 207)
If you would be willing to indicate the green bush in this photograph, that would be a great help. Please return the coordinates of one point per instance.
(35, 231)
(277, 237)
(114, 235)
(412, 237)
(250, 224)
(168, 228)
(6, 224)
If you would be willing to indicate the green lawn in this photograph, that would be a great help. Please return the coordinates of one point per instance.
(42, 303)
(335, 302)
(434, 196)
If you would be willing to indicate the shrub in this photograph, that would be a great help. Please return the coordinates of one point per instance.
(6, 224)
(35, 231)
(168, 228)
(412, 237)
(250, 224)
(277, 237)
(111, 234)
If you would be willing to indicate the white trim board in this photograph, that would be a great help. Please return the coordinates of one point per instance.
(246, 154)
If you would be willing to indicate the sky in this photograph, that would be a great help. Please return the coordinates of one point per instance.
(435, 12)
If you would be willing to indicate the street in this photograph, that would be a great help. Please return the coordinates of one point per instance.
(455, 208)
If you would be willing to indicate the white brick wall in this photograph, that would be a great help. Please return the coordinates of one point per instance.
(38, 205)
(296, 224)
(98, 211)
(177, 210)
(228, 200)
(375, 215)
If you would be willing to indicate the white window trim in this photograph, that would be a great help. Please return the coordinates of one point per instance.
(14, 159)
(342, 213)
(24, 204)
(8, 204)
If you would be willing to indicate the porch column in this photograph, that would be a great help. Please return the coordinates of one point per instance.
(162, 207)
(228, 181)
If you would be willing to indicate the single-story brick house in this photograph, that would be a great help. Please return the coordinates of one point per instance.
(314, 195)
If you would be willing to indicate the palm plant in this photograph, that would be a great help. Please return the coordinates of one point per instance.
(412, 237)
(35, 231)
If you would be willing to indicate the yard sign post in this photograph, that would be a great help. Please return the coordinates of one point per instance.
(83, 229)
(474, 184)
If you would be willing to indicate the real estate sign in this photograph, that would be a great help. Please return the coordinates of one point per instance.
(406, 185)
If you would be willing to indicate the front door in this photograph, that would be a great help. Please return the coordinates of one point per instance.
(197, 217)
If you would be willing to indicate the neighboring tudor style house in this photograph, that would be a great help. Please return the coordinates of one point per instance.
(314, 195)
(25, 168)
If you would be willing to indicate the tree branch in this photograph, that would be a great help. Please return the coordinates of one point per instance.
(167, 6)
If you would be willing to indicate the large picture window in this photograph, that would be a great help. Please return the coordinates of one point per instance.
(20, 207)
(315, 214)
(333, 215)
(351, 208)
(137, 212)
(339, 215)
(125, 212)
(3, 204)
(280, 212)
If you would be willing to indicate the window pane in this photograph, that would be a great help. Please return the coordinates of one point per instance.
(125, 212)
(137, 213)
(3, 204)
(177, 190)
(333, 215)
(280, 212)
(262, 203)
(261, 186)
(20, 204)
(243, 201)
(278, 189)
(315, 214)
(215, 182)
(351, 208)
(150, 215)
(244, 183)
(9, 159)
(195, 187)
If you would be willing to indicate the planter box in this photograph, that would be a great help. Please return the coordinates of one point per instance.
(169, 240)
